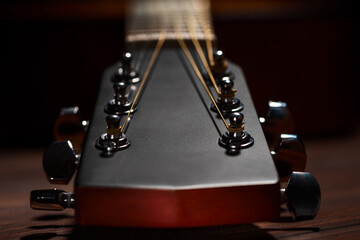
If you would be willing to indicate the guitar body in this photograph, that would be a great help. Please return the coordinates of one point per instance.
(174, 173)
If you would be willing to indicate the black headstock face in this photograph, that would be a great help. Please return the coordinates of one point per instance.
(174, 138)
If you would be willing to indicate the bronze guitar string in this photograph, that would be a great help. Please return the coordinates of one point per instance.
(157, 49)
(197, 71)
(206, 26)
(195, 41)
(208, 42)
(201, 54)
(191, 60)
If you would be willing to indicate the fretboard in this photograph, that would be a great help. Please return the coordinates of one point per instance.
(147, 19)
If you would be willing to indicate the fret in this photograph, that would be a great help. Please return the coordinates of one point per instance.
(147, 19)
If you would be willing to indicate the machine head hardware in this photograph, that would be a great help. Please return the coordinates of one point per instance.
(114, 139)
(289, 155)
(277, 120)
(219, 65)
(70, 126)
(235, 140)
(302, 196)
(51, 199)
(227, 102)
(120, 104)
(60, 162)
(125, 72)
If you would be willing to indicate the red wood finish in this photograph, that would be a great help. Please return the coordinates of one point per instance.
(179, 208)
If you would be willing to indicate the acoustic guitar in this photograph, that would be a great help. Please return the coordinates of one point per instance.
(175, 140)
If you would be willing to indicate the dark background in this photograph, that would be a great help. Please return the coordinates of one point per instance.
(53, 53)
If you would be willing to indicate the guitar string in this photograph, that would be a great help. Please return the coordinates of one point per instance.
(160, 42)
(206, 26)
(140, 56)
(158, 47)
(187, 53)
(201, 54)
(209, 44)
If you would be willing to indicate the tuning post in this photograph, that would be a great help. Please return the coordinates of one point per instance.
(219, 64)
(120, 104)
(235, 138)
(114, 139)
(226, 101)
(51, 199)
(302, 196)
(126, 72)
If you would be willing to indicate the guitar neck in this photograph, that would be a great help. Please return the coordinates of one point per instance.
(146, 20)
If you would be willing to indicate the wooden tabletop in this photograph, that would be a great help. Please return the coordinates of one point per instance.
(334, 161)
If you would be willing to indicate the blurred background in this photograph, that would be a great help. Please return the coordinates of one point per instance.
(305, 53)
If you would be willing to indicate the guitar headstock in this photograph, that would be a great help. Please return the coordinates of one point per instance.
(175, 141)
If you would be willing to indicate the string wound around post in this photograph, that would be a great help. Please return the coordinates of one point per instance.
(114, 139)
(235, 138)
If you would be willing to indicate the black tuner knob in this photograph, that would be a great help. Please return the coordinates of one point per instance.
(236, 138)
(277, 120)
(302, 196)
(71, 126)
(125, 72)
(219, 65)
(289, 156)
(51, 199)
(120, 104)
(227, 102)
(60, 162)
(114, 139)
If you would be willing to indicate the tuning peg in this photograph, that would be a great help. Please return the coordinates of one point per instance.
(302, 196)
(60, 162)
(125, 71)
(219, 64)
(227, 102)
(114, 139)
(120, 103)
(70, 126)
(235, 138)
(277, 120)
(289, 155)
(51, 199)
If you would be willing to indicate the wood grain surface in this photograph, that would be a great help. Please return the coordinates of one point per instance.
(334, 161)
